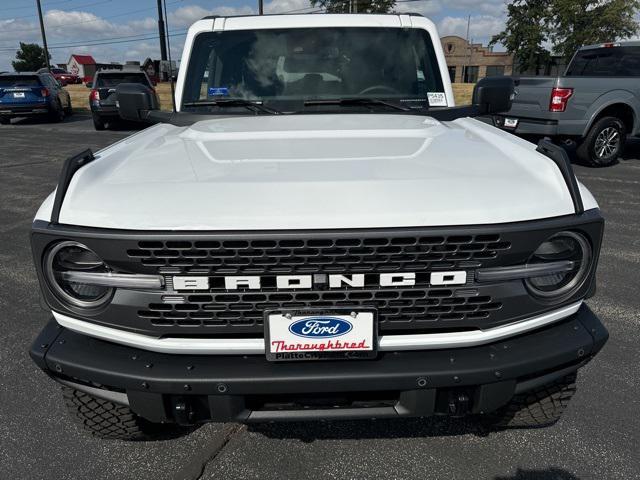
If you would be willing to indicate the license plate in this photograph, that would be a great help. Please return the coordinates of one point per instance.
(319, 335)
(18, 95)
(511, 122)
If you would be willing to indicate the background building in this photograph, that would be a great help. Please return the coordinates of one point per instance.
(469, 62)
(82, 65)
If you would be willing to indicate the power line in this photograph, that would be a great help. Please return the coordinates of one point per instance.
(23, 7)
(93, 44)
(77, 6)
(93, 20)
(103, 39)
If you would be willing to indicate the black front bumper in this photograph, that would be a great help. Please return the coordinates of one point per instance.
(197, 388)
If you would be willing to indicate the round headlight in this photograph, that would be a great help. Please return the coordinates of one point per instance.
(568, 249)
(68, 256)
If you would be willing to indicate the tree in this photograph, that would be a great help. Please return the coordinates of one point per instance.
(583, 22)
(525, 33)
(29, 58)
(565, 26)
(355, 6)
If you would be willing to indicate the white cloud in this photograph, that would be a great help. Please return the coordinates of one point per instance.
(482, 27)
(424, 7)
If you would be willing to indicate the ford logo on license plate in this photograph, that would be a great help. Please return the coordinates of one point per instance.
(320, 327)
(320, 335)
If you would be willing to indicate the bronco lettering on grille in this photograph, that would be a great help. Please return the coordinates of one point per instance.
(285, 282)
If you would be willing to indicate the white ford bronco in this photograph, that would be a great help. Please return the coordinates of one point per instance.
(317, 232)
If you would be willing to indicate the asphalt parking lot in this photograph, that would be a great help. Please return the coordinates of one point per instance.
(598, 437)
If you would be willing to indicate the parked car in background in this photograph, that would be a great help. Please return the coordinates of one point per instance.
(102, 99)
(61, 75)
(32, 94)
(596, 103)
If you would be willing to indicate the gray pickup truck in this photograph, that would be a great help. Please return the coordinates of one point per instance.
(595, 104)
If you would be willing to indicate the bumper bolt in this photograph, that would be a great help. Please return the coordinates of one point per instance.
(498, 374)
(190, 367)
(134, 357)
(187, 387)
(456, 379)
(61, 342)
(149, 365)
(422, 382)
(222, 388)
(58, 368)
(44, 345)
(581, 352)
(145, 385)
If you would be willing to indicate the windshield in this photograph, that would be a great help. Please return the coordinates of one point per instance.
(114, 79)
(303, 64)
(19, 81)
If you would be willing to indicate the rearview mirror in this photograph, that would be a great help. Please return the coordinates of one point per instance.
(494, 95)
(135, 101)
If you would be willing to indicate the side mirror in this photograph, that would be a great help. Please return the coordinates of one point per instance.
(135, 101)
(494, 95)
(89, 84)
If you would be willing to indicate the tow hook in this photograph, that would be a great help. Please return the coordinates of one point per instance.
(183, 413)
(458, 404)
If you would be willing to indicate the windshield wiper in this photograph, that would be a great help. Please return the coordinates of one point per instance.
(234, 102)
(365, 102)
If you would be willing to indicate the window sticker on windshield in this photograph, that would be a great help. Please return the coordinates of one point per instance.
(218, 91)
(437, 99)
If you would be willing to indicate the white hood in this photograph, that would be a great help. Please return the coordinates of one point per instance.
(315, 172)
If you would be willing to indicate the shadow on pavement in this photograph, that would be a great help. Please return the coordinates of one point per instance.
(369, 429)
(552, 473)
(79, 116)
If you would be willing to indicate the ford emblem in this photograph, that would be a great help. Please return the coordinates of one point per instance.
(320, 327)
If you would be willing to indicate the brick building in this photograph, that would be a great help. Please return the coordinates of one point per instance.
(470, 62)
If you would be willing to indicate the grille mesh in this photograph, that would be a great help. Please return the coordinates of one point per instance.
(399, 308)
(321, 255)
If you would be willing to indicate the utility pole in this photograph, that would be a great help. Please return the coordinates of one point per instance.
(161, 31)
(44, 37)
(260, 7)
(466, 68)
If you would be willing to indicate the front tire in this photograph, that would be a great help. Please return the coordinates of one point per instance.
(98, 123)
(540, 407)
(604, 143)
(68, 111)
(105, 419)
(57, 114)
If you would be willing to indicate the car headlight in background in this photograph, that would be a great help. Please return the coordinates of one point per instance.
(569, 248)
(62, 261)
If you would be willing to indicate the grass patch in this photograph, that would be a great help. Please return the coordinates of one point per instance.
(80, 95)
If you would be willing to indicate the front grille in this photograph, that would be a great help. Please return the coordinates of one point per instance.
(398, 309)
(320, 255)
(217, 312)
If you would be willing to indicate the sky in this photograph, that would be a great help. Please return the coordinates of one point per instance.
(119, 30)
